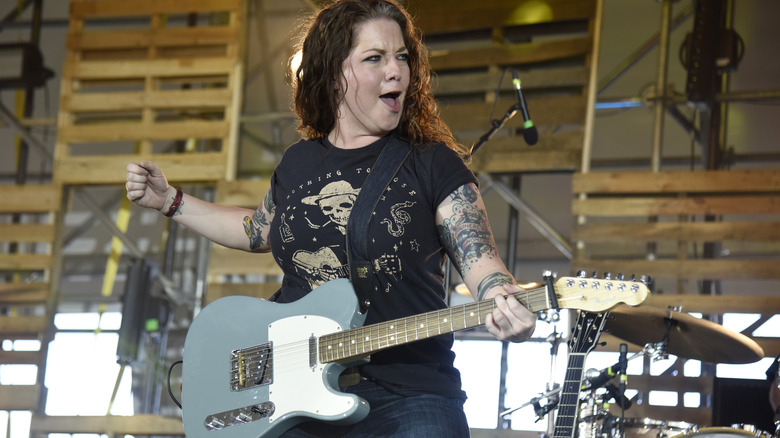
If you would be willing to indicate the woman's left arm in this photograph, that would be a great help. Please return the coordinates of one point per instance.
(464, 229)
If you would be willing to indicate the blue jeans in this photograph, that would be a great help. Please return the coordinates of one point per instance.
(393, 415)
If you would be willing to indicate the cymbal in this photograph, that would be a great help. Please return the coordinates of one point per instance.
(689, 337)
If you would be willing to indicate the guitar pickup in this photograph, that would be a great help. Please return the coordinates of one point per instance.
(251, 367)
(238, 416)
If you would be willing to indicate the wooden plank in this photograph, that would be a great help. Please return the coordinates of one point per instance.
(22, 325)
(527, 160)
(20, 357)
(110, 169)
(25, 262)
(140, 424)
(157, 99)
(715, 181)
(123, 8)
(659, 206)
(145, 38)
(12, 288)
(557, 110)
(215, 291)
(516, 54)
(159, 68)
(26, 232)
(432, 17)
(242, 193)
(205, 129)
(679, 231)
(230, 261)
(717, 303)
(686, 269)
(29, 198)
(23, 293)
(464, 83)
(19, 397)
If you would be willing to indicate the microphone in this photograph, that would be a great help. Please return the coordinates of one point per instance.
(623, 361)
(597, 379)
(619, 397)
(530, 134)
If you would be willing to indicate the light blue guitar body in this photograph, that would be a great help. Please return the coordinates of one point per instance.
(251, 367)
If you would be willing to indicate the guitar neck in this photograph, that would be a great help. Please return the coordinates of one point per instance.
(568, 404)
(363, 341)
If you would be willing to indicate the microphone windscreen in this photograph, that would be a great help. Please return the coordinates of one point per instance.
(531, 135)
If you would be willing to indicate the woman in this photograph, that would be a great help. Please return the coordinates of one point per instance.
(364, 77)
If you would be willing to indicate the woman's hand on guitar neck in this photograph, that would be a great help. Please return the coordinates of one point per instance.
(510, 320)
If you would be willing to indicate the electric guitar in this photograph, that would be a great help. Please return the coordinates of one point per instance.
(584, 338)
(255, 368)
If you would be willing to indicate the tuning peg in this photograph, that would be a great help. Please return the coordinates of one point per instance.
(581, 273)
(646, 279)
(607, 276)
(620, 277)
(633, 277)
(594, 274)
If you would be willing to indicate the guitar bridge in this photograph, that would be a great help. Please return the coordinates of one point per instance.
(251, 367)
(238, 416)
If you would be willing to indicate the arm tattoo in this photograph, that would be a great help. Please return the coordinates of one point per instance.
(253, 227)
(466, 234)
(491, 281)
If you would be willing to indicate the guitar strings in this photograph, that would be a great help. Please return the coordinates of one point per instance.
(355, 339)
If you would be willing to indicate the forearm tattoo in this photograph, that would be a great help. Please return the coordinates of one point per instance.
(491, 281)
(253, 227)
(466, 234)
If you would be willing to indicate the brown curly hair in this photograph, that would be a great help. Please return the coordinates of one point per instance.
(330, 37)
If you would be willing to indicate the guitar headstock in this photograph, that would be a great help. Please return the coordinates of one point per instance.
(586, 331)
(600, 294)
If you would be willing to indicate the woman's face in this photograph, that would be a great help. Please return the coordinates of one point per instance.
(377, 78)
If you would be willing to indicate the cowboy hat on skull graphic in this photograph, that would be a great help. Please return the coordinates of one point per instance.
(335, 200)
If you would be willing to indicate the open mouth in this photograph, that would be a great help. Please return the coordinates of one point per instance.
(392, 100)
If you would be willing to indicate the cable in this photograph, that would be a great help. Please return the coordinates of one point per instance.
(170, 392)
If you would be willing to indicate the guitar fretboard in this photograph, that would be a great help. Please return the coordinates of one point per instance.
(363, 341)
(568, 404)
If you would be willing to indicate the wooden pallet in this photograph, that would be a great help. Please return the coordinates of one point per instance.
(165, 85)
(28, 278)
(616, 207)
(549, 43)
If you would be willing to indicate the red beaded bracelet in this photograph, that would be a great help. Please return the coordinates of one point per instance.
(176, 204)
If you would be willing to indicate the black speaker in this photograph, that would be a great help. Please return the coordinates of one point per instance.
(742, 401)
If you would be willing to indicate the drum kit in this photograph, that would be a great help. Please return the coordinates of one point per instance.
(661, 332)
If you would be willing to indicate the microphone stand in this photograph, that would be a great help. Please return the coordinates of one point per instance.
(495, 125)
(623, 359)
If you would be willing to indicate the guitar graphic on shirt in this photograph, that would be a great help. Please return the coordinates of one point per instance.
(323, 265)
(255, 368)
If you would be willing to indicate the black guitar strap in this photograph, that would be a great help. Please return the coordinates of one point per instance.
(361, 270)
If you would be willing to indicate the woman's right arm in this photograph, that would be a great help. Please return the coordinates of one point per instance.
(232, 227)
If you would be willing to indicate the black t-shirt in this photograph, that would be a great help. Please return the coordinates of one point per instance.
(314, 187)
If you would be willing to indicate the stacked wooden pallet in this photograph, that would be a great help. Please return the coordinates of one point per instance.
(29, 264)
(150, 89)
(153, 80)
